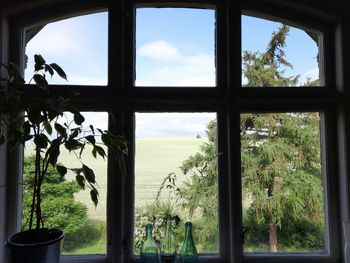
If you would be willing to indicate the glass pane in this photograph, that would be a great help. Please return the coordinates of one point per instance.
(176, 174)
(64, 204)
(78, 45)
(275, 54)
(283, 194)
(175, 47)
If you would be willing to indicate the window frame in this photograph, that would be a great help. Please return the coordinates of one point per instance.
(228, 99)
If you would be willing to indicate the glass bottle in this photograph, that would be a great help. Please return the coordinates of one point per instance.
(188, 252)
(168, 246)
(149, 250)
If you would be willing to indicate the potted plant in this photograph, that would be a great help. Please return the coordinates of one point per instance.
(37, 119)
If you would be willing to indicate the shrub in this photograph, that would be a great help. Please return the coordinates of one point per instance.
(90, 232)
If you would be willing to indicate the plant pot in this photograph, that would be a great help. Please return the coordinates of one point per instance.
(35, 246)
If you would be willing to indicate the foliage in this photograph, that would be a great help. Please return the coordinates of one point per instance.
(281, 169)
(280, 152)
(296, 235)
(37, 118)
(60, 209)
(281, 173)
(198, 195)
(267, 69)
(157, 214)
(85, 235)
(195, 200)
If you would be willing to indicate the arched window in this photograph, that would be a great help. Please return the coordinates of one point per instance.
(232, 113)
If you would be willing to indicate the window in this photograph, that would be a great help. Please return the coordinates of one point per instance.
(69, 43)
(174, 176)
(212, 58)
(282, 183)
(83, 223)
(266, 43)
(175, 47)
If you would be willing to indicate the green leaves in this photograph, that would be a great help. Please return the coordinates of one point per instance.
(60, 129)
(90, 139)
(49, 69)
(81, 180)
(94, 196)
(40, 68)
(78, 118)
(39, 118)
(114, 142)
(39, 60)
(48, 127)
(62, 170)
(72, 145)
(89, 174)
(34, 115)
(99, 150)
(41, 81)
(41, 141)
(59, 70)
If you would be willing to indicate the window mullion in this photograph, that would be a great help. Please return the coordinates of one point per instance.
(234, 83)
(115, 191)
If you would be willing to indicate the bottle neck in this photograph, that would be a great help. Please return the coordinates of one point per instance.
(149, 233)
(188, 232)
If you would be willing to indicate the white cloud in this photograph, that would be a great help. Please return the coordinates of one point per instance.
(312, 74)
(200, 62)
(54, 40)
(184, 75)
(160, 50)
(172, 124)
(184, 70)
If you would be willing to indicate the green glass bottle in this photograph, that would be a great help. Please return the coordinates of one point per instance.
(188, 252)
(168, 246)
(149, 250)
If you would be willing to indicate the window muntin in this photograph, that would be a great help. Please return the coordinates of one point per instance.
(292, 59)
(79, 45)
(175, 47)
(282, 183)
(83, 223)
(175, 172)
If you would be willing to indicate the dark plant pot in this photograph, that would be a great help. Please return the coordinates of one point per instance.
(35, 246)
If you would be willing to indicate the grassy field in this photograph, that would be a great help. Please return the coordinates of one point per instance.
(155, 159)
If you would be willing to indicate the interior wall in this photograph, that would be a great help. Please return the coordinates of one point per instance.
(3, 59)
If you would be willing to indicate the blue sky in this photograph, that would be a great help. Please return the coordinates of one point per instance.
(174, 47)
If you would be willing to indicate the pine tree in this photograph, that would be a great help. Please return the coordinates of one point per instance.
(267, 69)
(280, 152)
(281, 167)
(281, 170)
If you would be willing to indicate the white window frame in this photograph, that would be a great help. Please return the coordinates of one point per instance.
(227, 99)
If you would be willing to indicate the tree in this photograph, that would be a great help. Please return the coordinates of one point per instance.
(60, 208)
(280, 151)
(198, 194)
(267, 69)
(281, 170)
(280, 155)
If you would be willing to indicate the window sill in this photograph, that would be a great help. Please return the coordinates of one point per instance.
(84, 258)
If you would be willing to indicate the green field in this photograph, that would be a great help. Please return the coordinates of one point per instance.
(155, 159)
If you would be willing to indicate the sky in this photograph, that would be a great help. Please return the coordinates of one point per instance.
(173, 46)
